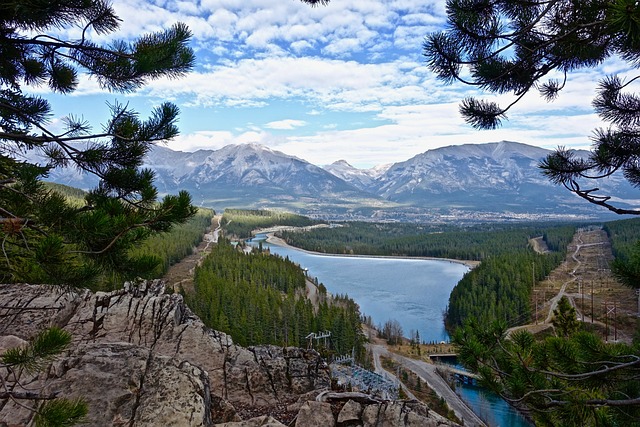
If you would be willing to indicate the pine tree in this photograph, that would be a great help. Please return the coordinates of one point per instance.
(511, 46)
(46, 239)
(564, 318)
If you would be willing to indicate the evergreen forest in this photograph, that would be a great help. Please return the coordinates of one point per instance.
(624, 236)
(173, 246)
(74, 195)
(498, 288)
(258, 298)
(241, 222)
(426, 240)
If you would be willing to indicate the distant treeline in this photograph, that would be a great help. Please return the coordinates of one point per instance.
(258, 298)
(70, 192)
(241, 222)
(624, 235)
(441, 241)
(499, 288)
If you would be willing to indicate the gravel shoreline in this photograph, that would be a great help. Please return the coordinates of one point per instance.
(271, 238)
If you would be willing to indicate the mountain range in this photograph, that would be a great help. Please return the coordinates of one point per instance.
(492, 181)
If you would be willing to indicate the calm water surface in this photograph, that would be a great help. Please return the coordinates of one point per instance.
(491, 408)
(414, 292)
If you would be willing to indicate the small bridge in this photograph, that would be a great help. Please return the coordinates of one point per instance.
(460, 372)
(462, 375)
(437, 355)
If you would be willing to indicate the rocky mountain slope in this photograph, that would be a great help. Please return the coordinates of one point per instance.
(364, 179)
(492, 178)
(140, 357)
(496, 176)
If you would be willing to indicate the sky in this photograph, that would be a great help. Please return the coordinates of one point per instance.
(346, 81)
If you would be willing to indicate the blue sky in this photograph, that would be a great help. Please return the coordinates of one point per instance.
(343, 81)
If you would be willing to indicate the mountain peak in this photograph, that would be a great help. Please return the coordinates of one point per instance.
(499, 177)
(342, 163)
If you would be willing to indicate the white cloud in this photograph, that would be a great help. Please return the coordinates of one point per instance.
(412, 129)
(285, 124)
(363, 58)
(300, 45)
(342, 46)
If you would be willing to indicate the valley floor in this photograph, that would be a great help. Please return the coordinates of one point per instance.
(603, 304)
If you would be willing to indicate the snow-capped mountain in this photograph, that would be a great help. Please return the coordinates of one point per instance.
(248, 175)
(469, 167)
(505, 173)
(495, 177)
(256, 165)
(500, 176)
(363, 179)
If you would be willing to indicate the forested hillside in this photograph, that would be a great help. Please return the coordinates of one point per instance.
(624, 235)
(430, 240)
(240, 222)
(73, 194)
(499, 288)
(257, 298)
(178, 243)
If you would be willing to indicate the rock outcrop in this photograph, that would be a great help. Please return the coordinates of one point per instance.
(142, 358)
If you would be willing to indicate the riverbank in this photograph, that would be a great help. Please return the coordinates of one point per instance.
(275, 240)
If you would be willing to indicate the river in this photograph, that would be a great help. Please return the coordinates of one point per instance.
(415, 292)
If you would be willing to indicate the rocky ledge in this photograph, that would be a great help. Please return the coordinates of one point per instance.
(142, 358)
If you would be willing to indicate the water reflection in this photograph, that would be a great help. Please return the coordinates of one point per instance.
(412, 291)
(491, 408)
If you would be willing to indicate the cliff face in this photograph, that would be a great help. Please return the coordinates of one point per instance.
(142, 358)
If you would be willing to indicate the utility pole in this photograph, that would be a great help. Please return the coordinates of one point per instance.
(606, 322)
(592, 301)
(582, 300)
(615, 321)
(607, 311)
(533, 286)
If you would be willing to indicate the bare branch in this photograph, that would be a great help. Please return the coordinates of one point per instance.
(27, 395)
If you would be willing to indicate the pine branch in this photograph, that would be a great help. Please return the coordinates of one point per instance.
(590, 374)
(574, 187)
(595, 402)
(528, 394)
(42, 349)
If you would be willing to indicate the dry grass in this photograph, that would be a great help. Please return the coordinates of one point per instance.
(588, 283)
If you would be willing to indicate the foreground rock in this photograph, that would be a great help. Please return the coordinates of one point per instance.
(142, 358)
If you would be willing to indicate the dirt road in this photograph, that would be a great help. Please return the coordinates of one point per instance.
(181, 273)
(585, 279)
